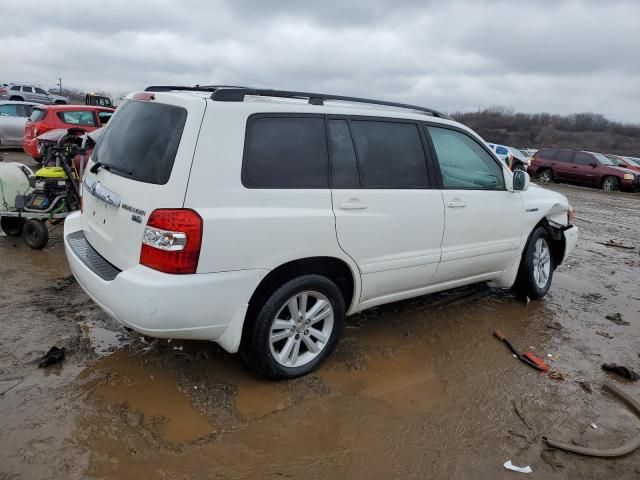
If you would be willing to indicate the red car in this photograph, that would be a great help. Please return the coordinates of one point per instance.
(623, 162)
(45, 118)
(586, 168)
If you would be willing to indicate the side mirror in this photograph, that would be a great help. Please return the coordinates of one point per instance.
(521, 181)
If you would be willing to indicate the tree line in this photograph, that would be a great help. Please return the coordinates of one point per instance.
(579, 131)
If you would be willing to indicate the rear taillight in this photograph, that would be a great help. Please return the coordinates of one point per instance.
(171, 241)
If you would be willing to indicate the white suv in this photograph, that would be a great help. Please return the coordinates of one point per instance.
(260, 218)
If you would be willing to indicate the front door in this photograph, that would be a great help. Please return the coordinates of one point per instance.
(583, 166)
(484, 222)
(389, 219)
(563, 166)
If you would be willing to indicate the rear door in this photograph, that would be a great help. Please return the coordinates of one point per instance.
(484, 221)
(562, 165)
(146, 153)
(389, 218)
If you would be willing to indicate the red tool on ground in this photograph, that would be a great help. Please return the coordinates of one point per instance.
(528, 357)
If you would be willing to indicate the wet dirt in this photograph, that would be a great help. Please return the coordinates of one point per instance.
(417, 389)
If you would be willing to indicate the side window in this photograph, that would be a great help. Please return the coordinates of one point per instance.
(582, 158)
(41, 91)
(547, 153)
(9, 110)
(502, 151)
(16, 88)
(344, 166)
(80, 117)
(464, 163)
(27, 89)
(564, 156)
(104, 117)
(390, 155)
(285, 152)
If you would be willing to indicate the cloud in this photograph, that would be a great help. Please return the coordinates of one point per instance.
(558, 56)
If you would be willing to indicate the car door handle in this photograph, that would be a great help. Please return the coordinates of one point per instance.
(456, 203)
(353, 204)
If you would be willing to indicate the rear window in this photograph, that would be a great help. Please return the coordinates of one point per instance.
(141, 142)
(37, 115)
(78, 117)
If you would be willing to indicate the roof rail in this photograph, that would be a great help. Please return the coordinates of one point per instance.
(237, 94)
(196, 88)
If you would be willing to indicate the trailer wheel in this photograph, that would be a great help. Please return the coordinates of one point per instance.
(36, 233)
(12, 226)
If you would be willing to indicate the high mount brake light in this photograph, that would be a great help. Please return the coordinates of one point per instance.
(171, 241)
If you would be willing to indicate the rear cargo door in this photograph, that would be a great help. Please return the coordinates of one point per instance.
(142, 162)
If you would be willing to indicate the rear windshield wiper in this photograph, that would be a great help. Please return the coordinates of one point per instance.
(96, 166)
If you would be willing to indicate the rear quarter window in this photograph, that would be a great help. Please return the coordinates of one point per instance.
(142, 141)
(285, 152)
(37, 115)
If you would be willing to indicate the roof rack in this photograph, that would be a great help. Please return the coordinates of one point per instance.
(195, 88)
(237, 94)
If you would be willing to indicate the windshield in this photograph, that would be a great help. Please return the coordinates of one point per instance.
(602, 159)
(517, 153)
(142, 140)
(633, 161)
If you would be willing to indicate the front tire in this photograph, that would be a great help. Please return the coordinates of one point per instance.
(36, 234)
(536, 267)
(12, 226)
(611, 184)
(295, 328)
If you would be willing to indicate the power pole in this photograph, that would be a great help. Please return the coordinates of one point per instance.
(60, 84)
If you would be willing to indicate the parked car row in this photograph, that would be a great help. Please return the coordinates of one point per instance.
(609, 172)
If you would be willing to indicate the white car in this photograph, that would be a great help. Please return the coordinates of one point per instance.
(260, 218)
(512, 157)
(13, 117)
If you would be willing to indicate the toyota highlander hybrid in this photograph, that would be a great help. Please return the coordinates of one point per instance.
(259, 219)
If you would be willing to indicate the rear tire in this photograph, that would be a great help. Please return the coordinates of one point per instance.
(60, 102)
(287, 342)
(15, 98)
(36, 234)
(546, 175)
(536, 267)
(12, 226)
(611, 184)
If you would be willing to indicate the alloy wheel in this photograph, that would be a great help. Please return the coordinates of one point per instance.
(301, 329)
(541, 263)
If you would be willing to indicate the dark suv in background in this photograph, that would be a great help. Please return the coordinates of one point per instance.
(585, 168)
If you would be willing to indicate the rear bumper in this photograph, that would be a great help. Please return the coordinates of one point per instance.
(570, 240)
(209, 306)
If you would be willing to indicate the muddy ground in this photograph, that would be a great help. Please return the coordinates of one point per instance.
(417, 389)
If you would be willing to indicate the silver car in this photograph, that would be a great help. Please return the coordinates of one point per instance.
(13, 116)
(30, 93)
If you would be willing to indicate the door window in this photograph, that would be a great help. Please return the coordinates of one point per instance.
(464, 164)
(9, 110)
(547, 153)
(16, 88)
(78, 117)
(582, 158)
(40, 91)
(344, 166)
(564, 156)
(285, 152)
(27, 89)
(390, 154)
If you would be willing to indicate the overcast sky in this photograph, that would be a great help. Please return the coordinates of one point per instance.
(559, 56)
